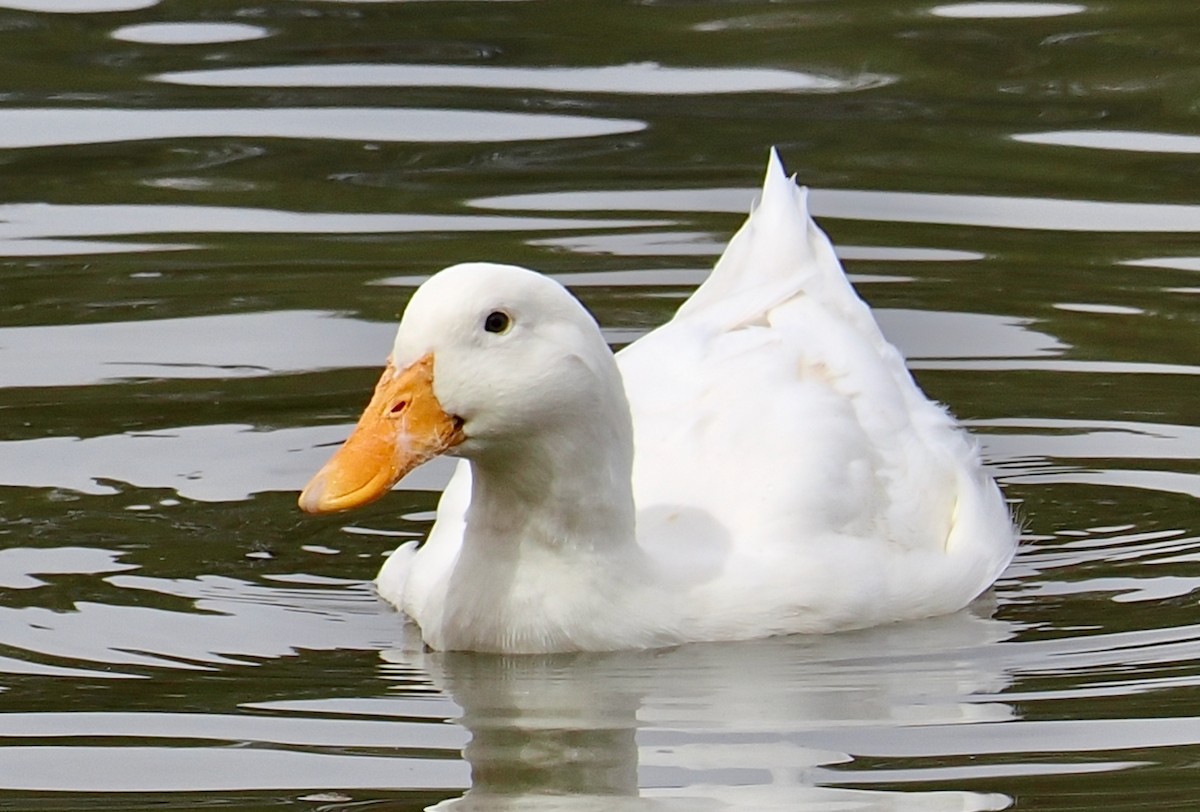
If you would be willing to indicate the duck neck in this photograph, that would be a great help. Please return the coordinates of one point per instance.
(567, 490)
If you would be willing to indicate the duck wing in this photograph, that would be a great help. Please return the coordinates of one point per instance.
(778, 433)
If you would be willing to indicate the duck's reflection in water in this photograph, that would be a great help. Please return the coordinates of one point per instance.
(720, 726)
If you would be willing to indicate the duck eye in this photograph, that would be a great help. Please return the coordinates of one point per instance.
(497, 322)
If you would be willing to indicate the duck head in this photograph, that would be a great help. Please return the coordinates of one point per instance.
(487, 359)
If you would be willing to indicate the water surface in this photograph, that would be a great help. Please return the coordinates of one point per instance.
(212, 213)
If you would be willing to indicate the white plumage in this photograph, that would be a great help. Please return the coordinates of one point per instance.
(761, 464)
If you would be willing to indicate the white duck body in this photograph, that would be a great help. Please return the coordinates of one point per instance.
(762, 464)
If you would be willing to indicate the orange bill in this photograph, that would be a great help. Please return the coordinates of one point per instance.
(403, 426)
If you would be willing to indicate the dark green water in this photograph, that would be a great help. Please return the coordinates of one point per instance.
(208, 227)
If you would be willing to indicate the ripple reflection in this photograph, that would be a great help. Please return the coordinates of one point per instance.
(1008, 10)
(647, 78)
(78, 6)
(189, 33)
(1033, 213)
(751, 725)
(22, 128)
(1116, 140)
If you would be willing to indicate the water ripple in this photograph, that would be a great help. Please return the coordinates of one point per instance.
(1007, 10)
(1116, 140)
(78, 6)
(205, 463)
(22, 128)
(1032, 213)
(646, 78)
(212, 769)
(39, 229)
(189, 33)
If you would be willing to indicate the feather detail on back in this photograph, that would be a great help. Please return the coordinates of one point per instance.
(778, 253)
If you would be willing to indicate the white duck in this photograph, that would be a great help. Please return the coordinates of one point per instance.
(761, 464)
